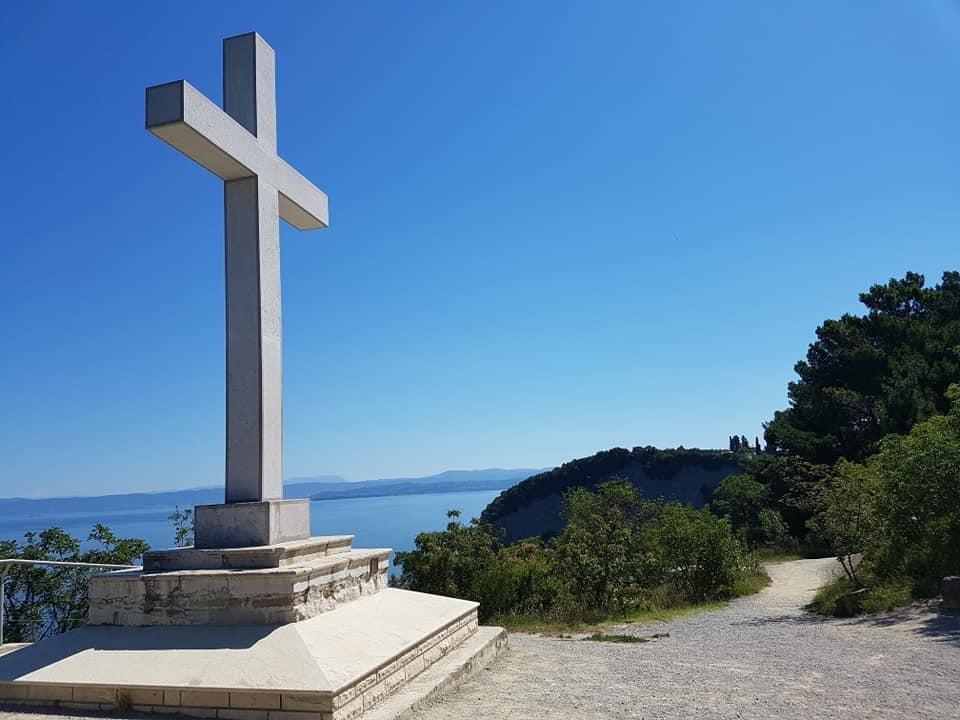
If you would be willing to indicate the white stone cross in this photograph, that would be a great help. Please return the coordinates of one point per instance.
(239, 145)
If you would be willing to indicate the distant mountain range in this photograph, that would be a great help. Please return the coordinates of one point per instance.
(320, 487)
(449, 481)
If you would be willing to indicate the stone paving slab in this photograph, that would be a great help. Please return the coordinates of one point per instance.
(332, 667)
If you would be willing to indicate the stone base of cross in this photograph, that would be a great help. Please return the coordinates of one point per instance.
(250, 524)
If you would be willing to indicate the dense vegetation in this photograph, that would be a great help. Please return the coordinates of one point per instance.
(617, 554)
(869, 376)
(865, 462)
(591, 471)
(901, 509)
(40, 601)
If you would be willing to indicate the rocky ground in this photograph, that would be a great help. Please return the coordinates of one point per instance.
(761, 657)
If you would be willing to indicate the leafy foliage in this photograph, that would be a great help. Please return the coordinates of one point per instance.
(901, 511)
(866, 381)
(617, 553)
(868, 376)
(39, 601)
(699, 554)
(752, 509)
(182, 526)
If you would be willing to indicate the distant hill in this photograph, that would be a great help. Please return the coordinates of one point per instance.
(533, 507)
(315, 480)
(321, 487)
(449, 481)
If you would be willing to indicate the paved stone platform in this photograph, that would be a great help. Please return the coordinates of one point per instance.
(334, 666)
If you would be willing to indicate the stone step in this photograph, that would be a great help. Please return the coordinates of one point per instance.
(263, 596)
(377, 658)
(294, 552)
(446, 674)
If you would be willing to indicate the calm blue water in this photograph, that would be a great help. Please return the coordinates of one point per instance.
(391, 522)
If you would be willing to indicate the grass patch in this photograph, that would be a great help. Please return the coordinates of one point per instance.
(880, 596)
(597, 624)
(751, 584)
(888, 595)
(825, 601)
(599, 637)
(770, 555)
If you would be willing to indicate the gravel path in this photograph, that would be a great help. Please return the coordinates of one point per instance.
(761, 657)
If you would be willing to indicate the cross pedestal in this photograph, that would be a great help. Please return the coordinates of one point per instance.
(258, 620)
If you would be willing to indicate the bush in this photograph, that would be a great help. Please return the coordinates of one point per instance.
(740, 498)
(901, 510)
(759, 502)
(698, 553)
(879, 595)
(604, 556)
(453, 562)
(617, 553)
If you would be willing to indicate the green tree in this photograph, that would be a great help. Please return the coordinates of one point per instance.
(901, 508)
(616, 553)
(793, 485)
(918, 506)
(40, 601)
(749, 505)
(450, 562)
(867, 376)
(740, 498)
(603, 550)
(848, 515)
(699, 553)
(182, 526)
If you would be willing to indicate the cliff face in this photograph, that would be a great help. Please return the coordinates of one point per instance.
(533, 508)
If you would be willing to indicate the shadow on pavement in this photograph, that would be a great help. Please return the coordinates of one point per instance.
(928, 620)
(931, 621)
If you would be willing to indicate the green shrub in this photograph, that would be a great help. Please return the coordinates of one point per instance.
(698, 552)
(617, 554)
(901, 510)
(825, 600)
(887, 595)
(878, 594)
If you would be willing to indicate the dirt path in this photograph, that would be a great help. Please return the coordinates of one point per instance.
(761, 657)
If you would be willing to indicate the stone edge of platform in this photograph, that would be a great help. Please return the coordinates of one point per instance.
(458, 666)
(476, 652)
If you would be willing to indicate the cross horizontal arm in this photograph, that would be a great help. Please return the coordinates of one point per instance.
(180, 115)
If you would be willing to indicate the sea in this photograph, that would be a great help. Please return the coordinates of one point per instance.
(377, 522)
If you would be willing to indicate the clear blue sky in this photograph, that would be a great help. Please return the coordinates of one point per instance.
(555, 227)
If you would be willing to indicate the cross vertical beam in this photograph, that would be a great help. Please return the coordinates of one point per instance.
(254, 438)
(238, 144)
